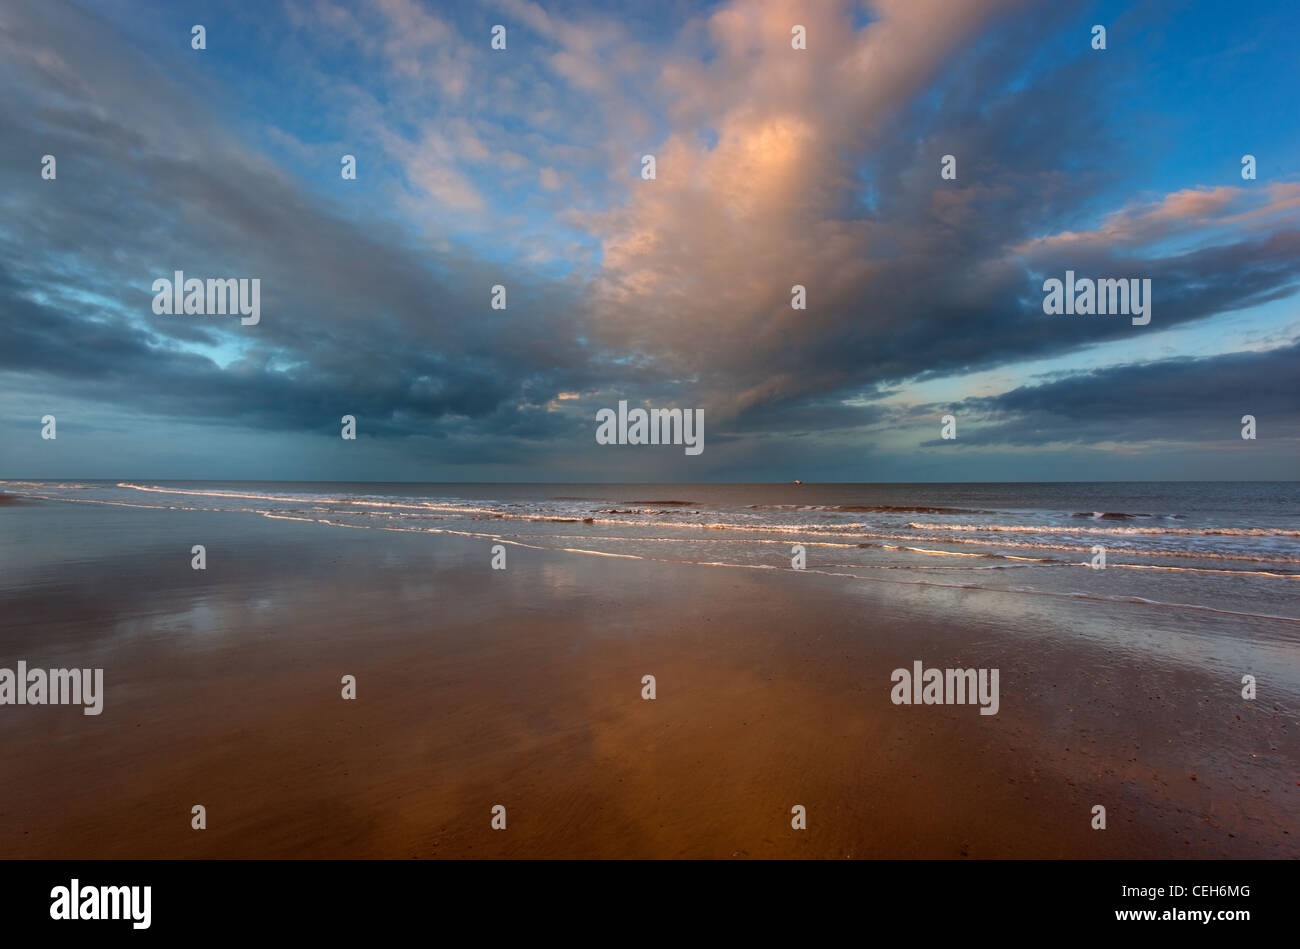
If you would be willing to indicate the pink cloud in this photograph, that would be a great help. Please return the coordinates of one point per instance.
(1187, 212)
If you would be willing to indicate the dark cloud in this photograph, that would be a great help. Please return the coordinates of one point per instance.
(1178, 400)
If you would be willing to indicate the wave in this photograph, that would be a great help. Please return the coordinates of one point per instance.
(867, 508)
(632, 510)
(1105, 598)
(1050, 529)
(949, 534)
(1119, 515)
(467, 507)
(886, 573)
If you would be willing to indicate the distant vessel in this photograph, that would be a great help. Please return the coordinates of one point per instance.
(798, 482)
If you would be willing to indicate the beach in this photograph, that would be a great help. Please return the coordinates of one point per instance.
(522, 687)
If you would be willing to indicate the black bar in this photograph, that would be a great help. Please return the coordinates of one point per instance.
(624, 898)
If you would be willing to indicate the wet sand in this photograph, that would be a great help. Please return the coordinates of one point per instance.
(522, 687)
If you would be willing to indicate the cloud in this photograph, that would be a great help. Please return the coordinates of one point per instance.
(775, 167)
(1191, 210)
(1183, 400)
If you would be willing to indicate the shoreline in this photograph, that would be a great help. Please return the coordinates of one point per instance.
(522, 687)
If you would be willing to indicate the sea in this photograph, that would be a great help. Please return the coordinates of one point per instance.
(1217, 548)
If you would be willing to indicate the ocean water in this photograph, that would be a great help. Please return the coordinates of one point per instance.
(1213, 548)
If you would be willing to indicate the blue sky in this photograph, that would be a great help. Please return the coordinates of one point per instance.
(775, 167)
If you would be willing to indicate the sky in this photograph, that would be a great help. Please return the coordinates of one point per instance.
(774, 166)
